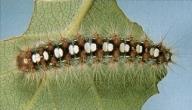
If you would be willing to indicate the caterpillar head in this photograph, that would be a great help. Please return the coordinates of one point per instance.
(24, 61)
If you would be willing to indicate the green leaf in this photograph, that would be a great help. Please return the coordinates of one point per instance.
(119, 86)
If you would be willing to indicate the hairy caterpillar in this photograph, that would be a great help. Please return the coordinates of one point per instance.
(52, 54)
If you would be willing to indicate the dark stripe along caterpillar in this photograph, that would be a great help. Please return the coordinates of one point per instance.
(53, 54)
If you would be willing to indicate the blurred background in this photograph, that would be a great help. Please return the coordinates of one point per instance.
(158, 18)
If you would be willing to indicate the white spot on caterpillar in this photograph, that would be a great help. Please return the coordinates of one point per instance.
(156, 52)
(58, 52)
(90, 47)
(45, 55)
(93, 47)
(87, 47)
(151, 51)
(139, 48)
(127, 48)
(124, 48)
(73, 49)
(107, 47)
(36, 58)
(110, 47)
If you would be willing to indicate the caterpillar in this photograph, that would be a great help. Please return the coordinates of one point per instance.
(52, 54)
